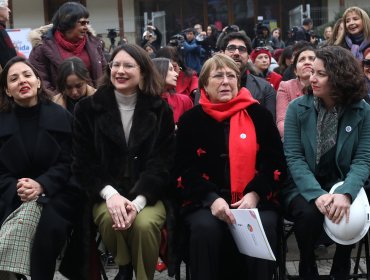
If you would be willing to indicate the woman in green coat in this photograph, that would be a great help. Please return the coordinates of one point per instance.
(327, 136)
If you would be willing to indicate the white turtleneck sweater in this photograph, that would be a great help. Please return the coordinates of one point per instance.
(126, 106)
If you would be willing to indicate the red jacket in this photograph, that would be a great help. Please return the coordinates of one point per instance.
(179, 104)
(274, 79)
(187, 84)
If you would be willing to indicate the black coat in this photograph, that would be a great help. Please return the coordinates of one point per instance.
(50, 167)
(102, 157)
(202, 157)
(101, 154)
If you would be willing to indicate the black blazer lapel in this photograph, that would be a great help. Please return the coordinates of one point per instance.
(108, 117)
(12, 151)
(144, 120)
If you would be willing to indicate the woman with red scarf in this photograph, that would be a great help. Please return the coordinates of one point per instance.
(229, 155)
(70, 35)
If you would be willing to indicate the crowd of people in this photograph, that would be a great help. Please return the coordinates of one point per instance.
(152, 143)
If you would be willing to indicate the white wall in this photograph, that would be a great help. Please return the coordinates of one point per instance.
(28, 13)
(104, 15)
(333, 6)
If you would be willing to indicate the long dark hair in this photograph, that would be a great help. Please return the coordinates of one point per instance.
(72, 65)
(151, 80)
(6, 102)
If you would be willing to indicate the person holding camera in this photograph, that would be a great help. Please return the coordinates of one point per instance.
(153, 36)
(192, 50)
(262, 38)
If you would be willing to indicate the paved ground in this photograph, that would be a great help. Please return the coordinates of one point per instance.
(324, 263)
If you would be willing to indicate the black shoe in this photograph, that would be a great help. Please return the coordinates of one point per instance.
(125, 272)
(20, 277)
(308, 272)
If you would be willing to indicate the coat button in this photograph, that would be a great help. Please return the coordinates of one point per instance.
(348, 128)
(243, 136)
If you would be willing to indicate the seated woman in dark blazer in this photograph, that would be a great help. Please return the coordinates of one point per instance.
(229, 155)
(35, 159)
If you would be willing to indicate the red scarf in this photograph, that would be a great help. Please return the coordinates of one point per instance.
(75, 48)
(242, 138)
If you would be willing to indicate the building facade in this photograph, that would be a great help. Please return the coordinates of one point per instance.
(127, 16)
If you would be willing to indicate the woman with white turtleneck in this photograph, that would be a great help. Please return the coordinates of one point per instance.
(123, 151)
(356, 36)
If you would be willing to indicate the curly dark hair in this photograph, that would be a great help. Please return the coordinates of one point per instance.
(7, 103)
(345, 75)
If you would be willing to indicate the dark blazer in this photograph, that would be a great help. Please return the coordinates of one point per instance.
(50, 167)
(51, 164)
(260, 90)
(202, 157)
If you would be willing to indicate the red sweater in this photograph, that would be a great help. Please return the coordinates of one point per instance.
(179, 104)
(186, 84)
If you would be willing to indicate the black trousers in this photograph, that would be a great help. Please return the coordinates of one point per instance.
(214, 255)
(55, 225)
(308, 227)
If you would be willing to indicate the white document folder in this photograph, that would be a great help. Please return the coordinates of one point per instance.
(249, 235)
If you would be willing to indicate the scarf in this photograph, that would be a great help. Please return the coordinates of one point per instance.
(242, 138)
(75, 48)
(327, 128)
(357, 49)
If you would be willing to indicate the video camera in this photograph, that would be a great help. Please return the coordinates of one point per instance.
(176, 40)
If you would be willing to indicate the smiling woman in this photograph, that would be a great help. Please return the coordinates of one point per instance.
(123, 152)
(71, 35)
(356, 35)
(35, 158)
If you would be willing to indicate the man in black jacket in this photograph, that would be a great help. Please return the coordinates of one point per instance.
(238, 47)
(303, 32)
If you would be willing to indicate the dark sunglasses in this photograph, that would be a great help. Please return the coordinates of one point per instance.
(261, 48)
(233, 48)
(366, 62)
(84, 22)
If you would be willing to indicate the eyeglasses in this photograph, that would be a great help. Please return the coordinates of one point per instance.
(83, 22)
(114, 65)
(233, 48)
(366, 63)
(220, 76)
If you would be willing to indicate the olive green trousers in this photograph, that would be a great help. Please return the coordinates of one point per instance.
(139, 244)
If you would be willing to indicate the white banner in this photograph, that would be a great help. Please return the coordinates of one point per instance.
(20, 40)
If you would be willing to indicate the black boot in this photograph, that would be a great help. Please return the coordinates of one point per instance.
(308, 272)
(125, 272)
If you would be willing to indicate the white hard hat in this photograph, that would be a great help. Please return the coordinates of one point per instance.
(359, 221)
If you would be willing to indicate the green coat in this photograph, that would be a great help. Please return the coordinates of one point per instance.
(352, 155)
